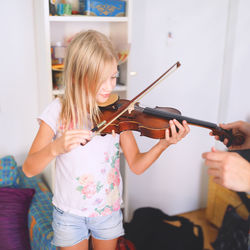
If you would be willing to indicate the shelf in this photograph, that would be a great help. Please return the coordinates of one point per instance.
(57, 92)
(118, 88)
(81, 18)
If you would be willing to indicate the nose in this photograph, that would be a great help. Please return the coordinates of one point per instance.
(109, 85)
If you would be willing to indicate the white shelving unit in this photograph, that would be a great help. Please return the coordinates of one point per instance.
(50, 29)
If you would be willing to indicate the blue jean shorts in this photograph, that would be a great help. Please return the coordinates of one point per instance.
(71, 229)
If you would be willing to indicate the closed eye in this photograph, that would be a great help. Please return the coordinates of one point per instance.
(116, 75)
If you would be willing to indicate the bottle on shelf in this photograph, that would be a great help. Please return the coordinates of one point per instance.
(58, 52)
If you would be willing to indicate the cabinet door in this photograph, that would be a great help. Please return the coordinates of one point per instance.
(163, 32)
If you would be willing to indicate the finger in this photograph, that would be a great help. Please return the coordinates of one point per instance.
(86, 136)
(167, 134)
(84, 142)
(217, 180)
(179, 126)
(213, 164)
(211, 133)
(214, 156)
(76, 140)
(235, 147)
(230, 125)
(181, 133)
(186, 127)
(213, 149)
(79, 132)
(226, 141)
(214, 172)
(73, 146)
(173, 129)
(217, 138)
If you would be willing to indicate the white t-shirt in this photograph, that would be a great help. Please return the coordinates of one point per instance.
(87, 179)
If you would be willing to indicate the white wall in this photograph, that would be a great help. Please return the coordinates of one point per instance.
(18, 84)
(239, 98)
(203, 42)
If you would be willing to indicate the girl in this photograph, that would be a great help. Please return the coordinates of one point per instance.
(88, 193)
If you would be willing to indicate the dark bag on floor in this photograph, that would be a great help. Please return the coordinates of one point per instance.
(233, 233)
(149, 230)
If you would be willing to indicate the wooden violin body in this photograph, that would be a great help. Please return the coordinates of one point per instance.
(148, 125)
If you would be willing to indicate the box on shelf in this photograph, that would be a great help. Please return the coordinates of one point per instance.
(104, 7)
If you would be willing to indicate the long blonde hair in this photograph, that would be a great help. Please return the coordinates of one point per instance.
(87, 58)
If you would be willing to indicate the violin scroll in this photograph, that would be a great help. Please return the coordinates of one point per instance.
(234, 139)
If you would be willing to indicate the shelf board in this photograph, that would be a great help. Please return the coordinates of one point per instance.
(61, 91)
(57, 91)
(82, 18)
(120, 87)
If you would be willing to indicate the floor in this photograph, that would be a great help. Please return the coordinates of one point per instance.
(209, 231)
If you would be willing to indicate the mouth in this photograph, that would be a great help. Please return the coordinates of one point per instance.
(105, 95)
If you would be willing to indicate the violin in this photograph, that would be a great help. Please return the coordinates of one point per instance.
(123, 115)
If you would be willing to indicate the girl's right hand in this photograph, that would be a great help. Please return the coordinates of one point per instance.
(70, 140)
(237, 127)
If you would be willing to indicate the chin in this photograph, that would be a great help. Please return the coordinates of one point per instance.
(102, 100)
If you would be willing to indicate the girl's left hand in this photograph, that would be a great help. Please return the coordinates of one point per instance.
(172, 136)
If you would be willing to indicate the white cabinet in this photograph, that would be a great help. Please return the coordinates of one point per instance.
(51, 29)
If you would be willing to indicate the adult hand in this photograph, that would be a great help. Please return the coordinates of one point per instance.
(228, 169)
(237, 127)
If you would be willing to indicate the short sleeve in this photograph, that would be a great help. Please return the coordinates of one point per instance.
(51, 114)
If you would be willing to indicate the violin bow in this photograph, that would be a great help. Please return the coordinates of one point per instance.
(130, 105)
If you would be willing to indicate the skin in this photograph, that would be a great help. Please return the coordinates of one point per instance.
(44, 149)
(229, 169)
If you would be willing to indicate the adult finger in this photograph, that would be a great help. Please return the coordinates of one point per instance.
(230, 125)
(214, 172)
(214, 156)
(213, 164)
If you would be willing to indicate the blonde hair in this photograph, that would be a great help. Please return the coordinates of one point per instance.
(85, 68)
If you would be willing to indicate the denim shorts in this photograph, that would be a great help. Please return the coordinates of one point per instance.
(71, 229)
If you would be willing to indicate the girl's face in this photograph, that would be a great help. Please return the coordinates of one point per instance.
(108, 85)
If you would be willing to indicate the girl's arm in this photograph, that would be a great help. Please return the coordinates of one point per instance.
(44, 149)
(139, 162)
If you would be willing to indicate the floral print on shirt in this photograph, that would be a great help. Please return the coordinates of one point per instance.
(88, 187)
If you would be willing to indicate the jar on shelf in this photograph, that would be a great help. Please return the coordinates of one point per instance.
(57, 79)
(58, 50)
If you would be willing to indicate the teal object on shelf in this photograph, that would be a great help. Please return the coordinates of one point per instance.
(104, 7)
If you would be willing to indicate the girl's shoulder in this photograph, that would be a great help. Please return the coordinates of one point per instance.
(57, 102)
(55, 105)
(51, 114)
(52, 110)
